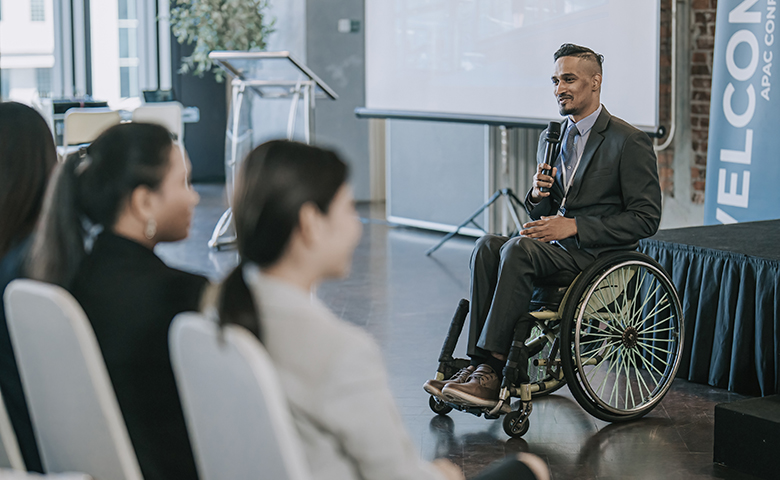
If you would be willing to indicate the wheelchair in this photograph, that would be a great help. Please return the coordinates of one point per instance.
(613, 334)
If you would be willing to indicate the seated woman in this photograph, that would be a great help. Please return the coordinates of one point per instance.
(27, 158)
(108, 206)
(296, 226)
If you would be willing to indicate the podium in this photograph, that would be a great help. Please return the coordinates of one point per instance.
(258, 77)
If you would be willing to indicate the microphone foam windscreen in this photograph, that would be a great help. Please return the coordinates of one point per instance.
(553, 131)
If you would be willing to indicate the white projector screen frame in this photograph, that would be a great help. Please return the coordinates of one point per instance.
(491, 60)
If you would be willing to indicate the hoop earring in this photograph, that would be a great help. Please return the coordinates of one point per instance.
(151, 229)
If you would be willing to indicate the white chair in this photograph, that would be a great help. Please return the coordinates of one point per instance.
(74, 410)
(167, 114)
(10, 455)
(237, 416)
(84, 125)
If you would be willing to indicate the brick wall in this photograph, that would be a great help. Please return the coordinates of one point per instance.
(666, 156)
(702, 30)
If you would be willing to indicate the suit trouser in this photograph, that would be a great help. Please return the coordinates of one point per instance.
(502, 274)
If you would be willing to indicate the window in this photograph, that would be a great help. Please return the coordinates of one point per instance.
(5, 85)
(43, 78)
(128, 48)
(37, 11)
(123, 50)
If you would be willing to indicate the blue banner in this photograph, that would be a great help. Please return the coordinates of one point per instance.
(743, 155)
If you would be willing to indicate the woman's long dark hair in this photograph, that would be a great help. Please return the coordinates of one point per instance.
(90, 188)
(276, 180)
(27, 158)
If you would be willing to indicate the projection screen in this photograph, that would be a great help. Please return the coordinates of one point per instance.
(482, 59)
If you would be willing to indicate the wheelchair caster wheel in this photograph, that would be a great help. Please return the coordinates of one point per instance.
(438, 407)
(516, 424)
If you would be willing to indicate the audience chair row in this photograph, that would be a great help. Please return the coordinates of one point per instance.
(238, 421)
(83, 125)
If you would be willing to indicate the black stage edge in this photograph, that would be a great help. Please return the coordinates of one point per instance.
(728, 279)
(747, 436)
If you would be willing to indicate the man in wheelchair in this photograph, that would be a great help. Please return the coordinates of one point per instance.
(600, 194)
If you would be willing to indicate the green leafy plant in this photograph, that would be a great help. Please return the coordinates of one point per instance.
(219, 25)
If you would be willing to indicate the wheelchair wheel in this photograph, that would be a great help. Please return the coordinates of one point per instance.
(438, 407)
(516, 424)
(622, 335)
(538, 373)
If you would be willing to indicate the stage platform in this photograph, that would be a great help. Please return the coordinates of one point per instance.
(728, 278)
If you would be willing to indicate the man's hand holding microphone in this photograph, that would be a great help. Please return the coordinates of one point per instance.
(548, 228)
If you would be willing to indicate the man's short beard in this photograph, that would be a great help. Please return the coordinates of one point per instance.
(566, 111)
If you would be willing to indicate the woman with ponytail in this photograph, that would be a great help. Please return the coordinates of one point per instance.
(296, 226)
(27, 158)
(107, 207)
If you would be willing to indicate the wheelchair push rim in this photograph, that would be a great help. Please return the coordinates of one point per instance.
(624, 338)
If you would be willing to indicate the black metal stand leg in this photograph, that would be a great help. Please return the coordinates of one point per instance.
(506, 192)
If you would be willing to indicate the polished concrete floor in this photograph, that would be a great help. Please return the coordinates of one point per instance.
(405, 300)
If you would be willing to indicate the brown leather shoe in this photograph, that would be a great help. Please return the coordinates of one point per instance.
(480, 390)
(434, 386)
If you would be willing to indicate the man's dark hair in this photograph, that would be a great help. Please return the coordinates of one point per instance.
(572, 50)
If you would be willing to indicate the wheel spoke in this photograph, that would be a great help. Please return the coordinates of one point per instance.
(655, 348)
(664, 301)
(616, 294)
(597, 339)
(644, 304)
(645, 339)
(637, 292)
(593, 325)
(611, 314)
(656, 324)
(593, 372)
(606, 377)
(641, 378)
(629, 390)
(648, 364)
(656, 357)
(627, 305)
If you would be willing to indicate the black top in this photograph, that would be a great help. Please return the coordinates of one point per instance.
(130, 297)
(10, 383)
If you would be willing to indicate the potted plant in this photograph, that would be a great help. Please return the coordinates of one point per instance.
(219, 25)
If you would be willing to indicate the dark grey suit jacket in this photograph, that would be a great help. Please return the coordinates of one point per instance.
(615, 196)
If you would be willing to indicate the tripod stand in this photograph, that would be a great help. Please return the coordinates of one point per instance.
(511, 202)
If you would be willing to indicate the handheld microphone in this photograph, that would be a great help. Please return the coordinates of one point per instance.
(551, 149)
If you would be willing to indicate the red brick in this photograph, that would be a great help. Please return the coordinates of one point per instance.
(699, 58)
(705, 42)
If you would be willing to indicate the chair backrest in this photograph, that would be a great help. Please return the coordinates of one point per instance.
(83, 125)
(167, 114)
(237, 416)
(10, 455)
(73, 407)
